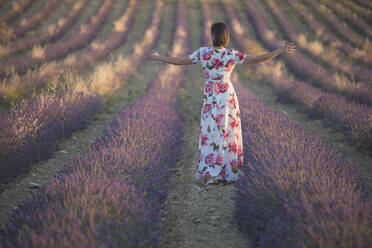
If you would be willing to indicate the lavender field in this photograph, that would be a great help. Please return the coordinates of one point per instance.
(98, 147)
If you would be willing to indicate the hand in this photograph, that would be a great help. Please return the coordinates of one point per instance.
(287, 48)
(150, 55)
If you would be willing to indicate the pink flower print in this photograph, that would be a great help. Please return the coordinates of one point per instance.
(234, 165)
(199, 155)
(240, 151)
(209, 87)
(204, 138)
(240, 163)
(219, 159)
(236, 136)
(222, 87)
(206, 74)
(200, 132)
(217, 88)
(234, 123)
(218, 77)
(229, 64)
(220, 119)
(232, 102)
(223, 173)
(217, 63)
(226, 135)
(207, 174)
(209, 158)
(240, 55)
(232, 147)
(207, 108)
(207, 55)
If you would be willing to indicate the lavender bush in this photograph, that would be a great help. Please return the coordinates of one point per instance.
(353, 72)
(112, 195)
(336, 24)
(62, 48)
(16, 9)
(52, 33)
(297, 191)
(20, 87)
(304, 68)
(34, 21)
(328, 38)
(29, 130)
(351, 18)
(351, 118)
(359, 9)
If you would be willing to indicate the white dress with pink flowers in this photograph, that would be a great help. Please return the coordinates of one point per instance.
(220, 152)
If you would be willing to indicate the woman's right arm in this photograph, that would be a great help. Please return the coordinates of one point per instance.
(154, 56)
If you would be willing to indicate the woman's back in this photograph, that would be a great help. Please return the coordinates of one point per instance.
(217, 63)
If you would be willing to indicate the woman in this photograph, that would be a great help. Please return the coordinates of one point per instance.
(220, 152)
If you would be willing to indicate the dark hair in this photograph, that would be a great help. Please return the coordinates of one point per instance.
(221, 34)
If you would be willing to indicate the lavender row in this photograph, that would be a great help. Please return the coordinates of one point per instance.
(364, 3)
(59, 49)
(304, 68)
(125, 174)
(17, 87)
(52, 33)
(207, 23)
(336, 24)
(30, 129)
(352, 18)
(360, 10)
(328, 38)
(353, 72)
(297, 191)
(351, 118)
(17, 8)
(34, 21)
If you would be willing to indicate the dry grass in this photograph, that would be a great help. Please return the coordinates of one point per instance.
(78, 5)
(16, 6)
(61, 22)
(97, 46)
(269, 35)
(24, 22)
(3, 51)
(51, 28)
(84, 28)
(70, 59)
(38, 52)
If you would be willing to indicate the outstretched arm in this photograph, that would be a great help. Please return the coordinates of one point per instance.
(250, 59)
(154, 56)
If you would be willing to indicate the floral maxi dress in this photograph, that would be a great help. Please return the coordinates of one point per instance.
(220, 151)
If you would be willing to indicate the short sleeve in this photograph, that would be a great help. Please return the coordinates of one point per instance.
(195, 56)
(238, 57)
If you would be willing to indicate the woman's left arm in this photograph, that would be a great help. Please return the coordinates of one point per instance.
(270, 55)
(154, 56)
